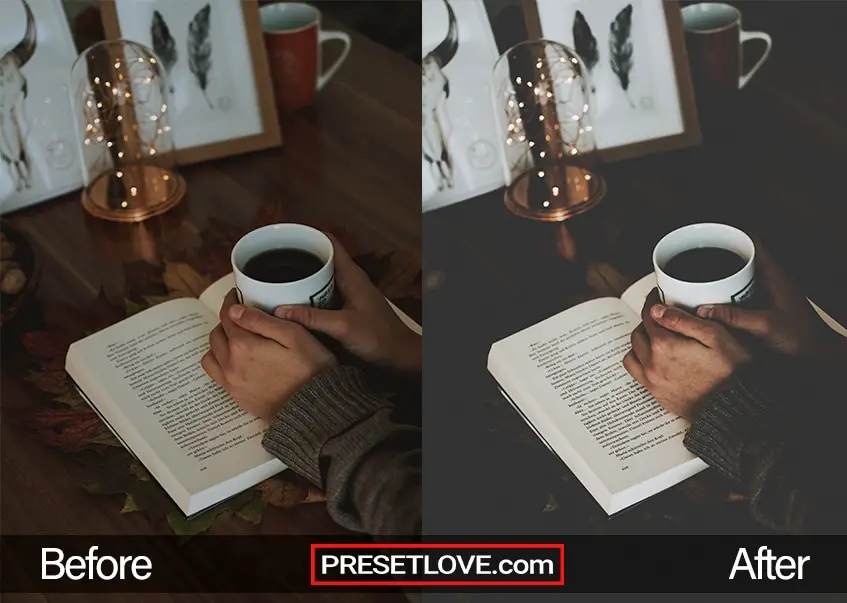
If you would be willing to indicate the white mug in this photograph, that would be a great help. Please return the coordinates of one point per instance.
(315, 290)
(733, 289)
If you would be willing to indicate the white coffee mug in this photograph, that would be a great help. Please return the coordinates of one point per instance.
(315, 290)
(733, 289)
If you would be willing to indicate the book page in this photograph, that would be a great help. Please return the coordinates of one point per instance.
(213, 297)
(145, 377)
(568, 371)
(635, 295)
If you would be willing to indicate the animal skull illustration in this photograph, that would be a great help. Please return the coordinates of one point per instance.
(13, 93)
(435, 88)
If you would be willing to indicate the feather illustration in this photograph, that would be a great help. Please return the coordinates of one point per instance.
(163, 44)
(585, 43)
(200, 49)
(620, 48)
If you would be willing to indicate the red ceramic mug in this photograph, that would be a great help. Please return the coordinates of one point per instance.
(293, 40)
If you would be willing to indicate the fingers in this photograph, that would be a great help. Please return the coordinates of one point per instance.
(335, 323)
(219, 345)
(255, 321)
(641, 345)
(635, 368)
(653, 329)
(755, 322)
(683, 323)
(213, 368)
(230, 300)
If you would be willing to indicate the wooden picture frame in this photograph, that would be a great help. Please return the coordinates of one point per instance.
(269, 134)
(690, 128)
(37, 102)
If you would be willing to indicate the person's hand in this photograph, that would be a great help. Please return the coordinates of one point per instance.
(366, 326)
(262, 361)
(680, 358)
(788, 325)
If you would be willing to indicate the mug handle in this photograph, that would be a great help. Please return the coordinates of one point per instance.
(326, 36)
(754, 35)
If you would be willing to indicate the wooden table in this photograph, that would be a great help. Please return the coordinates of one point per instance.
(350, 163)
(776, 168)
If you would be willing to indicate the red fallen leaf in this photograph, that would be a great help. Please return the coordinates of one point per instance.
(51, 382)
(184, 279)
(214, 263)
(47, 344)
(143, 278)
(71, 430)
(280, 492)
(77, 322)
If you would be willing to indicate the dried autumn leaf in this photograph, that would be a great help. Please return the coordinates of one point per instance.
(52, 382)
(71, 429)
(98, 314)
(129, 505)
(216, 263)
(133, 308)
(181, 277)
(286, 494)
(185, 238)
(106, 438)
(252, 510)
(143, 278)
(191, 526)
(47, 344)
(72, 399)
(139, 471)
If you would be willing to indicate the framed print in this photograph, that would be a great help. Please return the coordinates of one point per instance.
(38, 143)
(221, 98)
(459, 148)
(634, 51)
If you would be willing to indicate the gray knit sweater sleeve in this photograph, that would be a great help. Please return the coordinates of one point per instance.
(338, 433)
(754, 436)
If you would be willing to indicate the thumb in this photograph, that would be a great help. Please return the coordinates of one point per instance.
(681, 322)
(754, 322)
(331, 322)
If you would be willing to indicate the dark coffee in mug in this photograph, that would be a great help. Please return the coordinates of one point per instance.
(704, 265)
(282, 265)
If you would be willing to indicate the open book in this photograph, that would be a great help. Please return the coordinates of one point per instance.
(565, 377)
(143, 377)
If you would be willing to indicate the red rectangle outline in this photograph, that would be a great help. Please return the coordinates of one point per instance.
(560, 582)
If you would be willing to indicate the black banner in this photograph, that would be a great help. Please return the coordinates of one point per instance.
(626, 564)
